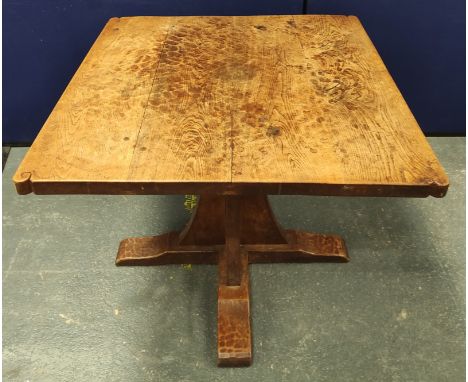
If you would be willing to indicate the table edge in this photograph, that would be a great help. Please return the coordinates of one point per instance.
(25, 185)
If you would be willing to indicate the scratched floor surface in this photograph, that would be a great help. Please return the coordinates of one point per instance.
(394, 313)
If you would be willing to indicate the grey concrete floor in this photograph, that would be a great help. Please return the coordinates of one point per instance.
(5, 152)
(394, 313)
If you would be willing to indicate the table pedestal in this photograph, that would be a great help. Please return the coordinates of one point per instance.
(233, 232)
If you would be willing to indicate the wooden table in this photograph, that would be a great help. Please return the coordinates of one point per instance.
(232, 109)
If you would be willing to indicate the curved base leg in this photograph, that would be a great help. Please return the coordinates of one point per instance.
(302, 247)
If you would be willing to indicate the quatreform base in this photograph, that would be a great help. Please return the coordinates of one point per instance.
(233, 232)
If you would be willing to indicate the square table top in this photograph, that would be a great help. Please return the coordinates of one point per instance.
(273, 104)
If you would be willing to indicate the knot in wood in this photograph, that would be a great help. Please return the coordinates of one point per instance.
(273, 131)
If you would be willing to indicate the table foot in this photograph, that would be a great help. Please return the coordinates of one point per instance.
(234, 335)
(232, 231)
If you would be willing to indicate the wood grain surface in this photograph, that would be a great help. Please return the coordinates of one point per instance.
(232, 105)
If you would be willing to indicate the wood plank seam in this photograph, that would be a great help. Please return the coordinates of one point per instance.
(130, 169)
(228, 105)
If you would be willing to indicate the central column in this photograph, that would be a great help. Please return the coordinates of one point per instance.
(232, 240)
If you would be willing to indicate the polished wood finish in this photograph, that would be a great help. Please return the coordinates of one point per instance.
(232, 105)
(232, 109)
(232, 232)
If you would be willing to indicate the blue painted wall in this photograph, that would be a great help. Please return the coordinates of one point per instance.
(422, 42)
(44, 41)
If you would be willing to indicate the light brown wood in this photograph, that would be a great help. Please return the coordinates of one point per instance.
(324, 109)
(232, 105)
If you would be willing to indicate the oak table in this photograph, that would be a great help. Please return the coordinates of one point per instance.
(232, 109)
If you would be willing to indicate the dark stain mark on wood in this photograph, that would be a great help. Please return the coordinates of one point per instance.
(273, 131)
